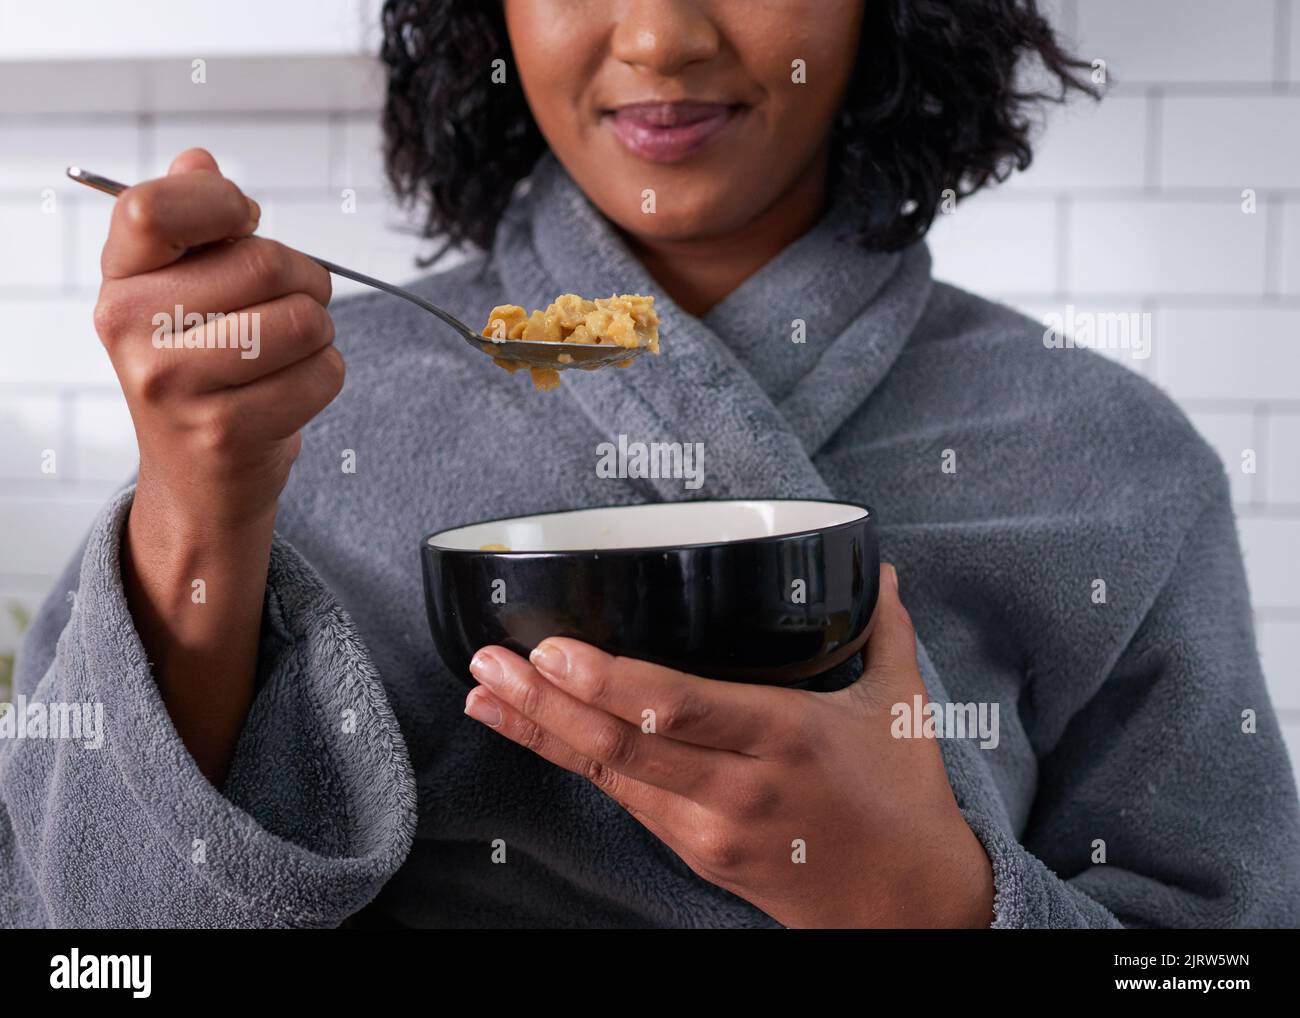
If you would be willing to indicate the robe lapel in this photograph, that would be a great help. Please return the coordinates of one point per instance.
(860, 356)
(851, 311)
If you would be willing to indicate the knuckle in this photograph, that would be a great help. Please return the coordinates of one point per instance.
(680, 714)
(611, 745)
(304, 318)
(140, 211)
(529, 735)
(602, 776)
(530, 699)
(153, 379)
(268, 262)
(797, 737)
(334, 368)
(755, 800)
(218, 428)
(719, 848)
(589, 679)
(110, 318)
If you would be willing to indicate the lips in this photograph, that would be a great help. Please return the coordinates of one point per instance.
(668, 132)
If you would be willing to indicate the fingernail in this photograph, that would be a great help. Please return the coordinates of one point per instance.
(254, 214)
(482, 707)
(892, 573)
(549, 660)
(485, 668)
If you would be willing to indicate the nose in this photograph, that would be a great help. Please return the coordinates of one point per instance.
(664, 36)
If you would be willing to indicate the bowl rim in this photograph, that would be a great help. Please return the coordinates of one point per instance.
(427, 547)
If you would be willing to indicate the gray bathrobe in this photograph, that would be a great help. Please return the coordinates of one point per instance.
(1139, 779)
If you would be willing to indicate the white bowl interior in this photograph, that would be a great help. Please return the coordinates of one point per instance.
(661, 525)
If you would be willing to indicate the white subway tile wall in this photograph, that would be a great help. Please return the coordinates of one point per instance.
(1290, 249)
(276, 151)
(1227, 353)
(1282, 434)
(1230, 141)
(1179, 41)
(1158, 245)
(1178, 196)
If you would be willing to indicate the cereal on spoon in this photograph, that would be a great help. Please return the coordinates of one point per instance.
(628, 321)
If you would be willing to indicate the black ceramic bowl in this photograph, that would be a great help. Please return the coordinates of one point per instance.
(774, 591)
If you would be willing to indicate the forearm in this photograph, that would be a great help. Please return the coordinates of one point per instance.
(195, 594)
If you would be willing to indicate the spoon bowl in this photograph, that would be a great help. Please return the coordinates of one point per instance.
(560, 356)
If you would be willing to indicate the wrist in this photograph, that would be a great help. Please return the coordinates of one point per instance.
(188, 580)
(967, 877)
(169, 520)
(946, 882)
(195, 590)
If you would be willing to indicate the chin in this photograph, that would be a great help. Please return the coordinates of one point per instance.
(693, 221)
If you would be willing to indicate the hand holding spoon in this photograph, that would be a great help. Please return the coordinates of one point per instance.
(533, 354)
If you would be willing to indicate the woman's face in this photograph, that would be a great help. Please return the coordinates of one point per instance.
(717, 107)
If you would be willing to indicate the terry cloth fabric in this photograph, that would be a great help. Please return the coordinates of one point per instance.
(1009, 478)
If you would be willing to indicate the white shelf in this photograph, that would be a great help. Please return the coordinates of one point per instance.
(184, 29)
(265, 84)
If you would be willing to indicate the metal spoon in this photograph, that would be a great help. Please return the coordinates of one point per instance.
(529, 353)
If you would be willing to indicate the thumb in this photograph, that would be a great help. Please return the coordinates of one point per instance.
(201, 160)
(889, 670)
(890, 654)
(193, 159)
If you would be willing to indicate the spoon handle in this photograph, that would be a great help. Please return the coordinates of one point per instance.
(405, 294)
(113, 187)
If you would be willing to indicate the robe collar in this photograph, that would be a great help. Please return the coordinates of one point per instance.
(734, 380)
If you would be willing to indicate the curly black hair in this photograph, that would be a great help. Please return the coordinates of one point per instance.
(938, 100)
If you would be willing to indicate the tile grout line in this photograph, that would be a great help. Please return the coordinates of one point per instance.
(70, 215)
(1154, 130)
(1244, 405)
(337, 150)
(1282, 12)
(1063, 226)
(68, 437)
(1259, 483)
(1273, 209)
(1279, 512)
(1151, 309)
(145, 141)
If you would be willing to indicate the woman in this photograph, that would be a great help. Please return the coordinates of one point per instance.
(283, 746)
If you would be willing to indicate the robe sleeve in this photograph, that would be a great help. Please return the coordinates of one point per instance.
(318, 810)
(1176, 768)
